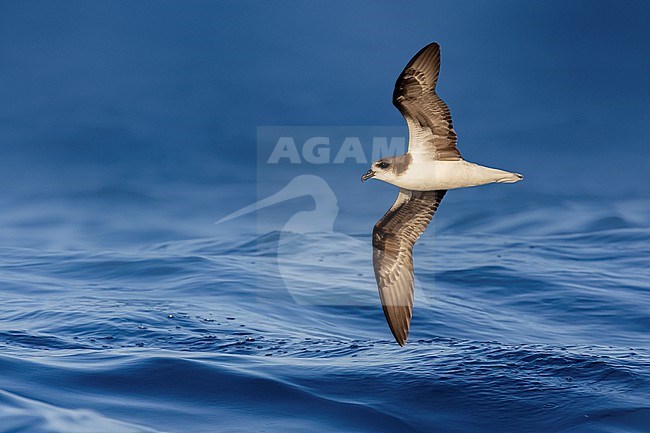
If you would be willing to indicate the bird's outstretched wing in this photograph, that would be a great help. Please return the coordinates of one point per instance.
(431, 133)
(393, 238)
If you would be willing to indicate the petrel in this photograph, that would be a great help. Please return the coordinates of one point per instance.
(431, 166)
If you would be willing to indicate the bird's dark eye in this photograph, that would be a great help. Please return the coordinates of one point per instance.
(382, 164)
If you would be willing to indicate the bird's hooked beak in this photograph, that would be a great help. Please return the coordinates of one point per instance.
(368, 175)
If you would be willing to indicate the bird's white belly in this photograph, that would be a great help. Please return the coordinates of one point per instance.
(438, 175)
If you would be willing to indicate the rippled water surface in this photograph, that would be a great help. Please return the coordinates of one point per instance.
(530, 333)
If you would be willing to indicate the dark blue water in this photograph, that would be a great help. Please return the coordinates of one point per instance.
(127, 130)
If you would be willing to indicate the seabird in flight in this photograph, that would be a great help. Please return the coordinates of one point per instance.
(431, 166)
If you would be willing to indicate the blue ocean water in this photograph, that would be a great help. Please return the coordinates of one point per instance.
(127, 130)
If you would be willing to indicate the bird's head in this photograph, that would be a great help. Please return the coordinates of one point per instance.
(387, 169)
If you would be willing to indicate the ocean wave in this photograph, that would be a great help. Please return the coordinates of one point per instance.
(328, 384)
(542, 332)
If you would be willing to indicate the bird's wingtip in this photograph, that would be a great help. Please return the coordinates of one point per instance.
(401, 339)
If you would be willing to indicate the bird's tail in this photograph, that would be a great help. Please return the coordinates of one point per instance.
(510, 177)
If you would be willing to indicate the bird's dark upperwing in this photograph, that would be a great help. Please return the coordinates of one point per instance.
(431, 132)
(393, 238)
